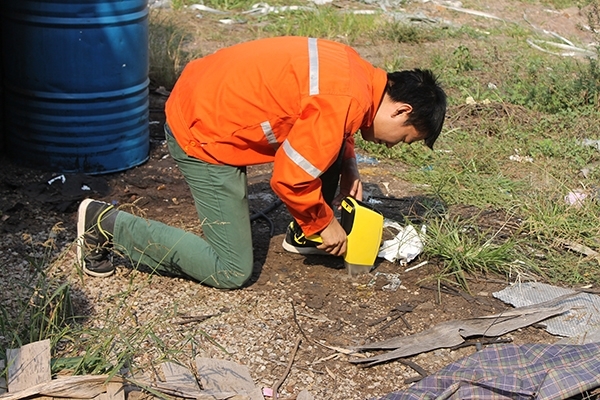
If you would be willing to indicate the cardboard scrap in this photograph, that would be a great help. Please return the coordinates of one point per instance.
(197, 394)
(223, 375)
(28, 365)
(454, 333)
(181, 382)
(305, 395)
(179, 375)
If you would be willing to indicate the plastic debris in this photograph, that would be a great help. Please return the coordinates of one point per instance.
(364, 12)
(159, 3)
(419, 265)
(360, 159)
(469, 11)
(418, 18)
(576, 198)
(231, 21)
(405, 247)
(582, 318)
(579, 248)
(471, 101)
(518, 158)
(447, 3)
(202, 7)
(373, 201)
(393, 279)
(162, 91)
(60, 178)
(264, 9)
(590, 142)
(572, 50)
(385, 3)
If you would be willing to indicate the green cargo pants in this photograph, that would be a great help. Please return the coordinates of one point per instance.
(224, 258)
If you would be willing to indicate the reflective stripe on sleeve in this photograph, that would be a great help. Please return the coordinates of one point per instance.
(268, 131)
(313, 68)
(300, 161)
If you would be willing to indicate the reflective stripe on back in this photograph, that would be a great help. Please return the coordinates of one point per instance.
(300, 161)
(313, 67)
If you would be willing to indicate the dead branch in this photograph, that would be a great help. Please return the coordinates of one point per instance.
(287, 370)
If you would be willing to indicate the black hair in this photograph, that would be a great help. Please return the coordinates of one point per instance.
(420, 89)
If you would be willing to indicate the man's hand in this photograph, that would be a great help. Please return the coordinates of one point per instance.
(350, 184)
(334, 239)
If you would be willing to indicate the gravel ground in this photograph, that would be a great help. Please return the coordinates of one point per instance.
(289, 298)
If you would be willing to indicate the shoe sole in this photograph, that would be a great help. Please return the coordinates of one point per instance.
(305, 251)
(80, 241)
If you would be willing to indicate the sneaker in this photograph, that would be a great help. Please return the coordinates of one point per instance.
(93, 241)
(296, 242)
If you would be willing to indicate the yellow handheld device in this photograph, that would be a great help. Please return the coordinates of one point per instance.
(364, 227)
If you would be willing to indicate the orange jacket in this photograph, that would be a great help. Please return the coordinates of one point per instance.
(287, 100)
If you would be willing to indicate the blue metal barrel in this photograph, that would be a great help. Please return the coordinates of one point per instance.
(1, 101)
(76, 83)
(1, 111)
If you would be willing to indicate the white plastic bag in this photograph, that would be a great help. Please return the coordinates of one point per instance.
(405, 247)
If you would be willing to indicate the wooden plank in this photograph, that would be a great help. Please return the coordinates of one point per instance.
(223, 375)
(28, 366)
(3, 388)
(76, 387)
(114, 391)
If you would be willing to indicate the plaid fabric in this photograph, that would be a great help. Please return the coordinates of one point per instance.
(500, 372)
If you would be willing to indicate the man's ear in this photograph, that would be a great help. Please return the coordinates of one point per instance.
(402, 109)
